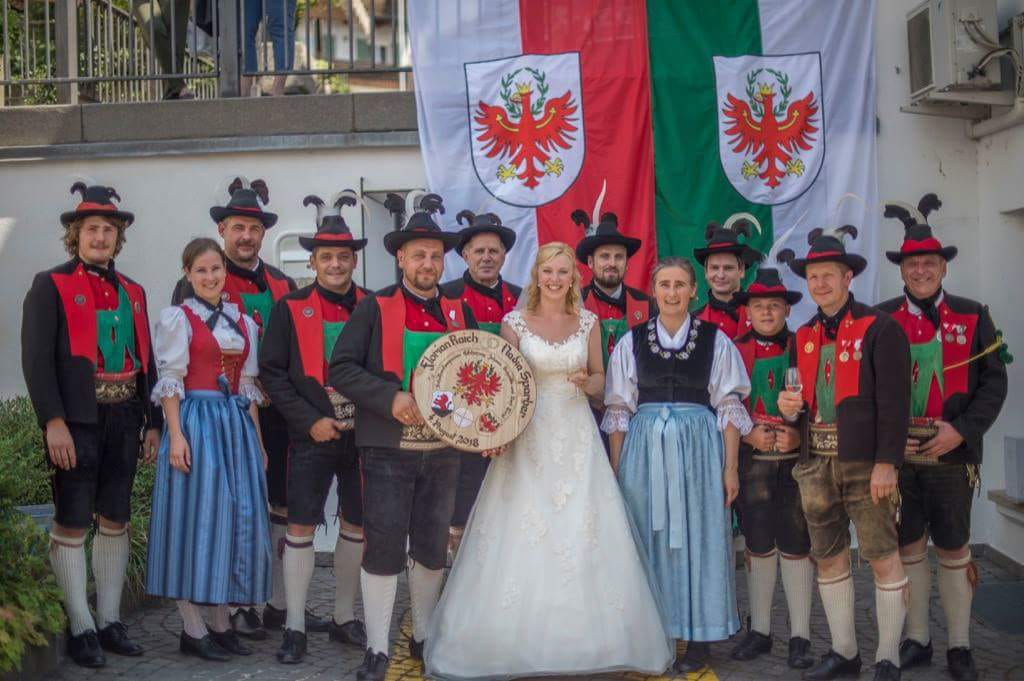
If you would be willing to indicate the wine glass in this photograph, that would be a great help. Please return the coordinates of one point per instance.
(794, 384)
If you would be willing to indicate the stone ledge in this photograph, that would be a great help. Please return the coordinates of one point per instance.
(40, 125)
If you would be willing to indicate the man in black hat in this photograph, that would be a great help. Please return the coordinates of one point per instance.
(957, 386)
(483, 244)
(88, 364)
(255, 286)
(854, 366)
(771, 518)
(606, 251)
(296, 347)
(725, 261)
(409, 476)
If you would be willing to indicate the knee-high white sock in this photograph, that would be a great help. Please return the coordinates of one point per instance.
(424, 588)
(278, 530)
(761, 577)
(797, 577)
(109, 562)
(299, 560)
(67, 557)
(192, 619)
(957, 579)
(837, 598)
(348, 554)
(378, 604)
(218, 617)
(891, 611)
(919, 572)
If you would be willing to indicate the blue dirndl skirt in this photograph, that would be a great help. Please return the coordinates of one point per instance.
(670, 473)
(209, 535)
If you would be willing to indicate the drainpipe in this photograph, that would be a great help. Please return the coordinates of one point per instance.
(1013, 117)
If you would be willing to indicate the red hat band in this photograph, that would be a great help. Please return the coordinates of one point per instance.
(761, 288)
(86, 205)
(823, 254)
(929, 244)
(327, 236)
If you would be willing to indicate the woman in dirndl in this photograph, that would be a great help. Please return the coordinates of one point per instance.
(674, 416)
(209, 536)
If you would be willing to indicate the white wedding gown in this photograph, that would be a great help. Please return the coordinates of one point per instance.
(548, 579)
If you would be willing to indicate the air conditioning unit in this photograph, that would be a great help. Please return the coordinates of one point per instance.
(945, 44)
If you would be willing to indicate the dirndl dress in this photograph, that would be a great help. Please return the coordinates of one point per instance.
(682, 391)
(209, 533)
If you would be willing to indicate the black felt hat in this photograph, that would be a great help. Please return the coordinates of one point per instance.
(917, 233)
(826, 247)
(96, 200)
(331, 229)
(767, 284)
(726, 239)
(483, 223)
(421, 224)
(246, 198)
(604, 233)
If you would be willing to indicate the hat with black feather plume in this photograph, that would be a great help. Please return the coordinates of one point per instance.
(247, 200)
(331, 229)
(918, 238)
(420, 207)
(726, 239)
(96, 200)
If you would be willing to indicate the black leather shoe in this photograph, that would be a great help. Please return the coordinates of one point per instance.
(114, 638)
(886, 671)
(85, 651)
(374, 667)
(961, 664)
(351, 633)
(695, 658)
(246, 622)
(203, 648)
(416, 648)
(293, 647)
(913, 654)
(229, 641)
(833, 665)
(753, 644)
(275, 619)
(799, 656)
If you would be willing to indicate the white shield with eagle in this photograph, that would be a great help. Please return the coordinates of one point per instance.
(526, 125)
(771, 137)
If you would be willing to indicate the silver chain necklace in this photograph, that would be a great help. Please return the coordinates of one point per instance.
(683, 352)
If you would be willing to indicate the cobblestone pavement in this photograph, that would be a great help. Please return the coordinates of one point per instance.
(999, 656)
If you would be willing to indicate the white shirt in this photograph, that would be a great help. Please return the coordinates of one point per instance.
(727, 386)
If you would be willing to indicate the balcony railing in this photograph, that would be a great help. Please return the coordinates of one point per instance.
(70, 51)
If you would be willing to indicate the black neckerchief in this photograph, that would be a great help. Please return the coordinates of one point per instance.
(494, 293)
(256, 276)
(728, 307)
(781, 338)
(216, 312)
(431, 305)
(927, 306)
(619, 302)
(831, 324)
(107, 273)
(347, 299)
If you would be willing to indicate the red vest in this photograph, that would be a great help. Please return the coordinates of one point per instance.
(637, 311)
(751, 350)
(206, 360)
(485, 309)
(235, 286)
(308, 321)
(731, 328)
(393, 314)
(849, 337)
(77, 300)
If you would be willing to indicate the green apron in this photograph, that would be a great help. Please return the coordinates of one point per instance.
(490, 327)
(926, 364)
(115, 334)
(612, 329)
(258, 306)
(766, 382)
(414, 344)
(825, 386)
(332, 330)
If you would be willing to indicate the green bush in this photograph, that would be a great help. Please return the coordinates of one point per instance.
(29, 597)
(24, 475)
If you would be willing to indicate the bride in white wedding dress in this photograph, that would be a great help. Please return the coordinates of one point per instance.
(548, 579)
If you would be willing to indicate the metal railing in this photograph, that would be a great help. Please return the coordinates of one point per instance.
(69, 51)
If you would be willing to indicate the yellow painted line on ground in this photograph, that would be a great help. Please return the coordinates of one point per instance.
(404, 668)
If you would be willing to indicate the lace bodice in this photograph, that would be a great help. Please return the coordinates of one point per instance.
(553, 362)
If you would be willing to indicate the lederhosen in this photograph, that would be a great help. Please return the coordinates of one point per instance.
(409, 476)
(769, 501)
(87, 357)
(296, 348)
(489, 306)
(255, 292)
(733, 323)
(937, 493)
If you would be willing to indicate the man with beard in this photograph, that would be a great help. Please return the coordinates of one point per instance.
(725, 261)
(296, 347)
(255, 286)
(409, 476)
(88, 365)
(958, 386)
(483, 244)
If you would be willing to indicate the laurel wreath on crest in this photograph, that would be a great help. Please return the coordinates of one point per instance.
(515, 108)
(784, 89)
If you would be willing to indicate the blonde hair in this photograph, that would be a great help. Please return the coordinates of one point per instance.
(545, 253)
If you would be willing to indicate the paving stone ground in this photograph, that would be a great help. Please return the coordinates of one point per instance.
(999, 656)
